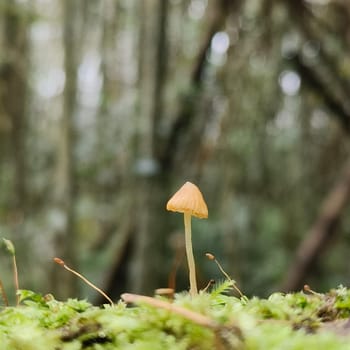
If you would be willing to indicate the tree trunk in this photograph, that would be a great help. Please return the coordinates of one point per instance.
(149, 191)
(65, 190)
(317, 239)
(13, 74)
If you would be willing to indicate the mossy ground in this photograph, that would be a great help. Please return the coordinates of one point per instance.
(282, 321)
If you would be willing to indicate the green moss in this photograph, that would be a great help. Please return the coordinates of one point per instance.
(282, 321)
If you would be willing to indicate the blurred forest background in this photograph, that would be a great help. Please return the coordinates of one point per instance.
(108, 107)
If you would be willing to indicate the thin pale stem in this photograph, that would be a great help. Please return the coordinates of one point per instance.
(229, 278)
(190, 257)
(89, 283)
(15, 276)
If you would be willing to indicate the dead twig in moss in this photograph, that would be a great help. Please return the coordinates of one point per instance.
(188, 314)
(223, 334)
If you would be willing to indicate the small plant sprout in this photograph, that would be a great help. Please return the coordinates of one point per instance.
(63, 264)
(11, 249)
(209, 284)
(212, 257)
(189, 201)
(308, 289)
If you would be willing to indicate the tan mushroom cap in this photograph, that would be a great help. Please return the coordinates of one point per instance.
(188, 199)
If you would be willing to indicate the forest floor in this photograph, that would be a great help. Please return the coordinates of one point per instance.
(211, 320)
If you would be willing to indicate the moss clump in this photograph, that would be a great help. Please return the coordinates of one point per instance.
(282, 321)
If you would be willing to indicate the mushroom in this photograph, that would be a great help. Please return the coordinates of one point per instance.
(189, 201)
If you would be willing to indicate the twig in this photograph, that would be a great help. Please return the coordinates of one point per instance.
(188, 314)
(222, 333)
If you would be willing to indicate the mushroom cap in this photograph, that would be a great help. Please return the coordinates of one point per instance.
(188, 199)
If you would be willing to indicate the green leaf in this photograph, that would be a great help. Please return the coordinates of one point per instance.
(28, 295)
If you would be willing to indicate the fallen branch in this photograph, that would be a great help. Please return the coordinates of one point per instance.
(227, 336)
(320, 233)
(188, 314)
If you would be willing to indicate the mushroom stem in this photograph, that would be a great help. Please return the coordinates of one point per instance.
(189, 253)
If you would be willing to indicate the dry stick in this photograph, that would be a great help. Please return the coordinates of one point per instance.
(3, 294)
(62, 263)
(190, 315)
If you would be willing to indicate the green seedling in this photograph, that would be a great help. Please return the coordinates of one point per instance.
(11, 249)
(209, 284)
(63, 264)
(189, 201)
(308, 289)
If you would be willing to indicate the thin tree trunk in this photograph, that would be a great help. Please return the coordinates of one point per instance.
(109, 69)
(65, 191)
(14, 74)
(317, 239)
(149, 192)
(217, 13)
(160, 77)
